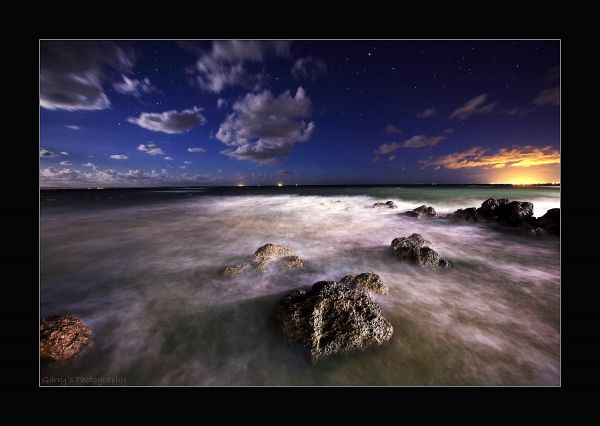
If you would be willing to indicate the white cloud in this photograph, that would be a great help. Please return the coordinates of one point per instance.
(196, 149)
(226, 63)
(170, 121)
(67, 177)
(263, 128)
(119, 157)
(44, 153)
(65, 163)
(72, 73)
(183, 167)
(187, 162)
(151, 149)
(88, 164)
(429, 112)
(169, 158)
(308, 68)
(473, 106)
(134, 87)
(72, 127)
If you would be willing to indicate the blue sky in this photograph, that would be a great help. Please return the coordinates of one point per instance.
(159, 113)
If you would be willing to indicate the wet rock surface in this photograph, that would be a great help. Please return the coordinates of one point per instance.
(231, 271)
(332, 318)
(63, 337)
(368, 281)
(387, 204)
(417, 249)
(261, 259)
(293, 262)
(422, 211)
(270, 251)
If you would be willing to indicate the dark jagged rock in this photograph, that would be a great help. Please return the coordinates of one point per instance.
(369, 282)
(417, 249)
(422, 211)
(514, 213)
(550, 221)
(63, 337)
(332, 318)
(388, 204)
(548, 224)
(469, 214)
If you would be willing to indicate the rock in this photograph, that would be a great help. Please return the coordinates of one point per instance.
(293, 262)
(231, 271)
(422, 211)
(469, 214)
(270, 251)
(332, 318)
(388, 204)
(488, 207)
(369, 282)
(550, 221)
(417, 249)
(514, 212)
(531, 229)
(63, 337)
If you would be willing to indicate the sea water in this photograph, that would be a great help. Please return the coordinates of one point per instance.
(142, 269)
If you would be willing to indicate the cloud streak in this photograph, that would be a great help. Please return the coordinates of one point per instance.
(308, 68)
(477, 157)
(473, 106)
(415, 142)
(548, 97)
(226, 64)
(72, 73)
(429, 112)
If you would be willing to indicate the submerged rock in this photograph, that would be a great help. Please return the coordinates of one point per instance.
(417, 249)
(231, 271)
(422, 211)
(63, 337)
(332, 318)
(388, 204)
(293, 262)
(369, 282)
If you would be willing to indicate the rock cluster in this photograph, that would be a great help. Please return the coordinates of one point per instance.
(388, 204)
(261, 257)
(63, 337)
(332, 318)
(422, 211)
(514, 213)
(417, 249)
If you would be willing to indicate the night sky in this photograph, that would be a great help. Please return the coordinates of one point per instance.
(186, 113)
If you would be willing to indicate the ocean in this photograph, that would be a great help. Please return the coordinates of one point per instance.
(142, 269)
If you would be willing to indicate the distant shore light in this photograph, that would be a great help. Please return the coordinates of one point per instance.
(280, 184)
